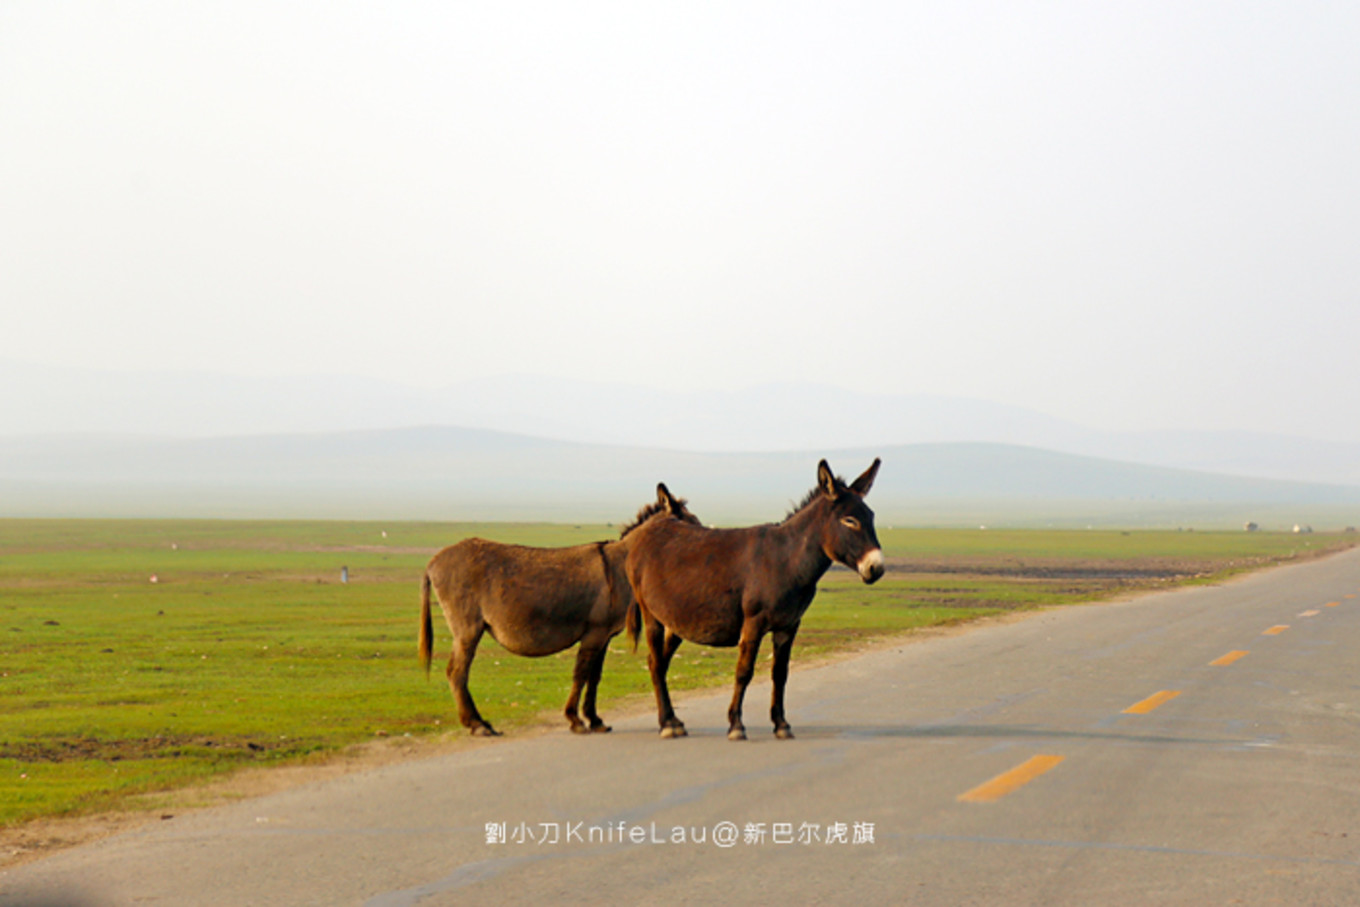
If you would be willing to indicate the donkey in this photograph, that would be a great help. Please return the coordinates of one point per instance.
(535, 602)
(729, 587)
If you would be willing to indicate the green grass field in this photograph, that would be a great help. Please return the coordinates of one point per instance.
(246, 649)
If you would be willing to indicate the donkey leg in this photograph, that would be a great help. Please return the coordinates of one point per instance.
(597, 725)
(460, 663)
(783, 647)
(589, 666)
(659, 649)
(677, 728)
(746, 669)
(580, 678)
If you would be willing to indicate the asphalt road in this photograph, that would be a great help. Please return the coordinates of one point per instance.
(1030, 762)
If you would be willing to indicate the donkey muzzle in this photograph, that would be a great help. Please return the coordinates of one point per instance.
(870, 566)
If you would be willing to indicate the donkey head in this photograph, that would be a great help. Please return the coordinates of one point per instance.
(669, 503)
(666, 505)
(848, 531)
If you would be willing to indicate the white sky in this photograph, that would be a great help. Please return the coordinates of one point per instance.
(1133, 215)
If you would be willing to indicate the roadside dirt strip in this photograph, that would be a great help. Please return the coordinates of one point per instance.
(1188, 747)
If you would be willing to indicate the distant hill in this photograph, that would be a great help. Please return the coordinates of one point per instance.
(458, 473)
(774, 417)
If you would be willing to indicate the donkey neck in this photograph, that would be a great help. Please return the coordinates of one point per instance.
(802, 535)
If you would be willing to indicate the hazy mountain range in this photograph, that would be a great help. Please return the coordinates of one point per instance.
(109, 444)
(473, 474)
(776, 417)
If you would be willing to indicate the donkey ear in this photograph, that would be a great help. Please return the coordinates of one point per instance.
(862, 485)
(666, 499)
(826, 480)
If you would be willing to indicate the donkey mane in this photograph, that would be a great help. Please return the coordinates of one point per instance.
(647, 512)
(810, 497)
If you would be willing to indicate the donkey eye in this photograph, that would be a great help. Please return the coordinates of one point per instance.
(850, 522)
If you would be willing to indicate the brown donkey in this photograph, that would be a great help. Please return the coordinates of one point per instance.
(535, 601)
(728, 587)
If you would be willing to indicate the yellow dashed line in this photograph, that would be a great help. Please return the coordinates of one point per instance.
(1147, 705)
(1006, 782)
(1032, 768)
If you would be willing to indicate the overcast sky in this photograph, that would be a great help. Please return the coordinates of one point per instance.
(1132, 215)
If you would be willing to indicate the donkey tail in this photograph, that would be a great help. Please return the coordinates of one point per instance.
(634, 622)
(426, 629)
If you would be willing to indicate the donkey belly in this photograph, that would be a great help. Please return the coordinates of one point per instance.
(709, 637)
(544, 624)
(707, 627)
(535, 631)
(534, 640)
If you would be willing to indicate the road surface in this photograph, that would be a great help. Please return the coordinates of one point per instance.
(1191, 747)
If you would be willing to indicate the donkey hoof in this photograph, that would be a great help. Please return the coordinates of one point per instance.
(579, 728)
(737, 733)
(485, 730)
(600, 728)
(674, 730)
(784, 733)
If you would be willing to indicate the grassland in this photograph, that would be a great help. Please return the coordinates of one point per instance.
(143, 656)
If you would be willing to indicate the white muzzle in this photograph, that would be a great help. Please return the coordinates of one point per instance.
(870, 566)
